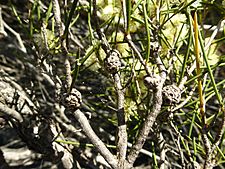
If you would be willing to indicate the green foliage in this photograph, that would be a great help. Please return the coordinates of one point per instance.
(166, 22)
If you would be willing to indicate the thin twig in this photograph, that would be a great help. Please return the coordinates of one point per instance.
(6, 111)
(108, 156)
(148, 123)
(122, 128)
(221, 130)
(185, 101)
(152, 114)
(132, 45)
(178, 143)
(162, 151)
(60, 28)
(17, 35)
(2, 30)
(104, 42)
(216, 30)
(57, 16)
(209, 162)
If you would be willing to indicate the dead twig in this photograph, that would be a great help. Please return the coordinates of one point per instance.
(151, 114)
(6, 111)
(112, 65)
(95, 139)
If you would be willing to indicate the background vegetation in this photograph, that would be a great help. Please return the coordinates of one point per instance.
(112, 84)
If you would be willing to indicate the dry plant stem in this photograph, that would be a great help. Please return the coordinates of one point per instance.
(18, 156)
(44, 33)
(122, 133)
(178, 144)
(67, 158)
(221, 131)
(216, 30)
(122, 128)
(162, 151)
(2, 31)
(213, 28)
(108, 156)
(3, 162)
(181, 153)
(132, 45)
(57, 16)
(209, 165)
(209, 162)
(59, 25)
(17, 35)
(185, 101)
(148, 123)
(151, 115)
(75, 41)
(10, 112)
(104, 44)
(124, 13)
(68, 74)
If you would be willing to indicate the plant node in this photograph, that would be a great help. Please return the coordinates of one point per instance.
(112, 61)
(171, 94)
(72, 100)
